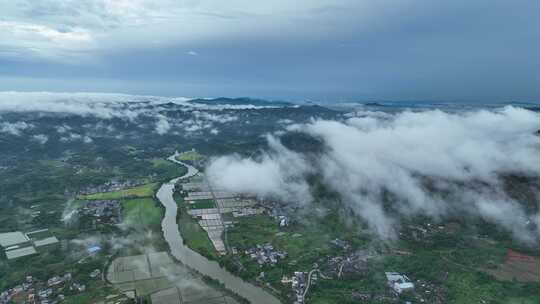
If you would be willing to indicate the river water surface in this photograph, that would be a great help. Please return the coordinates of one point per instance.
(194, 260)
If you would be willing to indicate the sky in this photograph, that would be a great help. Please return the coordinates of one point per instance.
(321, 50)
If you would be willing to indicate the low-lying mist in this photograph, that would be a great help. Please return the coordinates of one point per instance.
(431, 163)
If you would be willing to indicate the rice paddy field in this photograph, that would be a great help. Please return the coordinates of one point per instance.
(157, 276)
(202, 204)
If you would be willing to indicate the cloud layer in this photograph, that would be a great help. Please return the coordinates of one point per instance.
(163, 115)
(60, 29)
(109, 105)
(278, 174)
(15, 128)
(306, 49)
(431, 163)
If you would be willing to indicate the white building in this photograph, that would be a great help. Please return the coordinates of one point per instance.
(16, 244)
(46, 241)
(9, 239)
(399, 282)
(20, 252)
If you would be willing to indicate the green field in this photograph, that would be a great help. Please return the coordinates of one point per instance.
(189, 156)
(96, 290)
(252, 230)
(142, 212)
(339, 291)
(202, 204)
(146, 190)
(304, 245)
(524, 300)
(167, 170)
(193, 234)
(159, 162)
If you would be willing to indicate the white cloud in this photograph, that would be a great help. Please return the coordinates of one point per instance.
(87, 139)
(108, 105)
(14, 128)
(94, 104)
(34, 40)
(366, 156)
(193, 53)
(203, 120)
(278, 173)
(213, 117)
(285, 122)
(41, 138)
(70, 137)
(66, 28)
(162, 125)
(63, 129)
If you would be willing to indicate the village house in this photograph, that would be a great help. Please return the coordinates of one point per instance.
(399, 282)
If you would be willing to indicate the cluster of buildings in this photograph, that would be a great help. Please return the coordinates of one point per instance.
(33, 291)
(275, 211)
(265, 254)
(368, 297)
(35, 213)
(299, 284)
(103, 211)
(112, 185)
(339, 243)
(429, 293)
(399, 283)
(18, 244)
(348, 266)
(425, 231)
(283, 221)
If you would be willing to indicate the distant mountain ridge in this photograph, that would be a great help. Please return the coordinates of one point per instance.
(240, 101)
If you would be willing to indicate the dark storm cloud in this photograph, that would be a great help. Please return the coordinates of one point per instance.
(459, 50)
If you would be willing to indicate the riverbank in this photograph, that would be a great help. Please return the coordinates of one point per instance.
(193, 259)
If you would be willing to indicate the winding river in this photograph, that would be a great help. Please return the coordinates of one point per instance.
(194, 260)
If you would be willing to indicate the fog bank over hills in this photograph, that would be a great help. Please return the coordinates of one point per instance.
(431, 163)
(388, 161)
(109, 105)
(47, 124)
